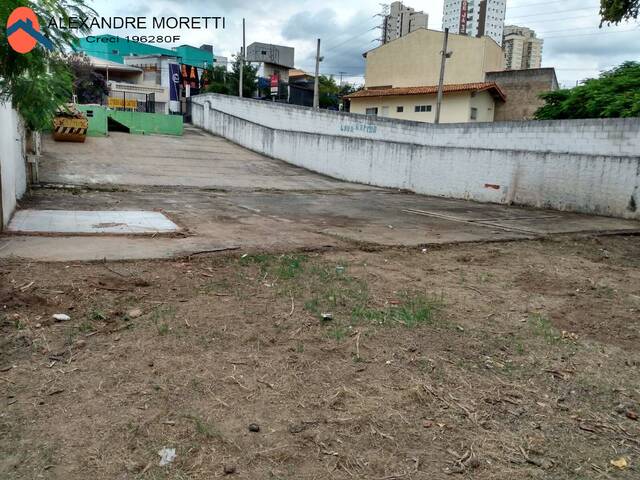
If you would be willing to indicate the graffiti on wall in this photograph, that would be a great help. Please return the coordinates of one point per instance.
(358, 127)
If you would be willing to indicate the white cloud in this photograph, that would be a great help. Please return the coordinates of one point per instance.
(573, 42)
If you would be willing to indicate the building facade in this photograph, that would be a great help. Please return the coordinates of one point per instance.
(522, 89)
(196, 57)
(271, 59)
(143, 73)
(402, 20)
(414, 60)
(522, 49)
(115, 49)
(475, 18)
(474, 102)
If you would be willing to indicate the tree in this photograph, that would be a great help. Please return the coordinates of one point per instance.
(249, 78)
(347, 89)
(615, 11)
(38, 82)
(331, 93)
(88, 85)
(616, 93)
(217, 80)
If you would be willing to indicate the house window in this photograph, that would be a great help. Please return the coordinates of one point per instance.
(474, 113)
(423, 108)
(399, 109)
(372, 111)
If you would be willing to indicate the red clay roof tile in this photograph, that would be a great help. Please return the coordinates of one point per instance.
(426, 90)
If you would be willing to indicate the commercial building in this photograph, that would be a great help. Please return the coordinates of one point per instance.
(402, 20)
(148, 77)
(522, 49)
(522, 89)
(414, 60)
(476, 18)
(196, 57)
(115, 49)
(272, 59)
(155, 82)
(300, 87)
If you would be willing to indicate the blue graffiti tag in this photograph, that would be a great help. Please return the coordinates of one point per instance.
(358, 127)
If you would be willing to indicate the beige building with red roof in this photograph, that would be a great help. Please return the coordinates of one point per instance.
(401, 79)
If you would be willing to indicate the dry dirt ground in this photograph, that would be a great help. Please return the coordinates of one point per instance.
(485, 361)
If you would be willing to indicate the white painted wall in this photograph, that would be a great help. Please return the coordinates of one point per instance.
(13, 173)
(590, 166)
(456, 107)
(594, 137)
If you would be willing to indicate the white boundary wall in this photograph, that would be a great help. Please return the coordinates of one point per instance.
(590, 166)
(13, 172)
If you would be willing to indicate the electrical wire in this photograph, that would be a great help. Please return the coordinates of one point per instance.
(334, 47)
(539, 3)
(591, 34)
(552, 13)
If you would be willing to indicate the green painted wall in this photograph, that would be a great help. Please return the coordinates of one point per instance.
(139, 123)
(97, 122)
(194, 56)
(146, 123)
(114, 48)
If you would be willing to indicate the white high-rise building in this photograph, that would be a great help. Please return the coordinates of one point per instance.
(475, 18)
(522, 49)
(402, 20)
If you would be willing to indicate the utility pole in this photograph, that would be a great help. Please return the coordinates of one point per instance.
(384, 13)
(341, 73)
(316, 83)
(242, 55)
(445, 55)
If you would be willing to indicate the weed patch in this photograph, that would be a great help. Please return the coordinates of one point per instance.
(542, 327)
(411, 311)
(161, 316)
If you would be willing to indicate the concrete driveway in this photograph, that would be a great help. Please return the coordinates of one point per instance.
(196, 159)
(224, 196)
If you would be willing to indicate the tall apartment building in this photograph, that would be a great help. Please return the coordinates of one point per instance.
(402, 20)
(476, 18)
(522, 49)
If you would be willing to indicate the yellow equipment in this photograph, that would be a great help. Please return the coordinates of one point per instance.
(70, 125)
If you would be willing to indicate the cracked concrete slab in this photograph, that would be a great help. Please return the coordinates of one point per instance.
(120, 222)
(222, 195)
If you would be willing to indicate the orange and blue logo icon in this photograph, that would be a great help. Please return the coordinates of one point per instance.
(23, 31)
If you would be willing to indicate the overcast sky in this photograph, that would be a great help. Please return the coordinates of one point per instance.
(574, 44)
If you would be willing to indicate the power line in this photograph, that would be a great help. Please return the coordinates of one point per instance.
(553, 13)
(542, 32)
(348, 40)
(592, 34)
(584, 69)
(545, 21)
(539, 3)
